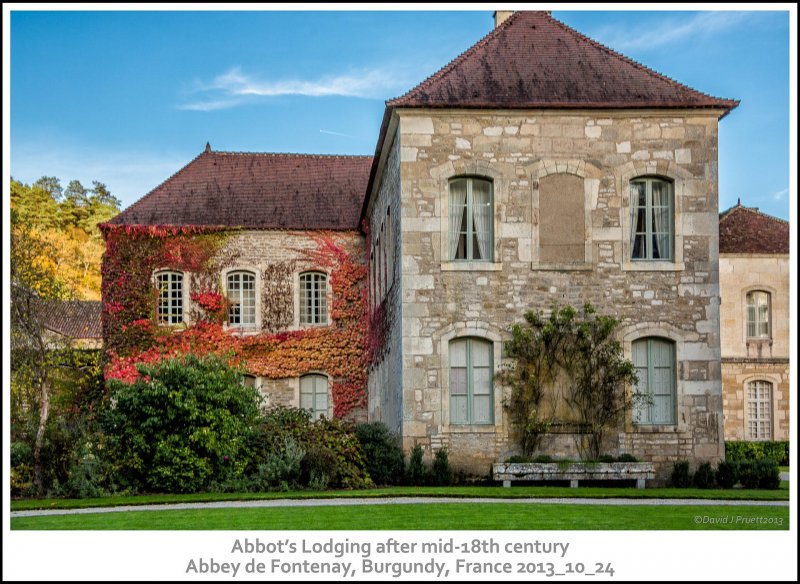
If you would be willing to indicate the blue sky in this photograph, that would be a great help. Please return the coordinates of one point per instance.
(128, 98)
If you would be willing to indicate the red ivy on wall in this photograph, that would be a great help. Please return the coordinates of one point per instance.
(132, 336)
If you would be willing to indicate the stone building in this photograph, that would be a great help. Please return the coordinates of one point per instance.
(537, 168)
(754, 324)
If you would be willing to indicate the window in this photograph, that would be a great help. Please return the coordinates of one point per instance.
(242, 299)
(313, 298)
(471, 235)
(651, 219)
(170, 297)
(249, 381)
(758, 314)
(314, 395)
(759, 407)
(471, 392)
(654, 359)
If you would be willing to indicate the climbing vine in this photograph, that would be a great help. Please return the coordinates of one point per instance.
(133, 336)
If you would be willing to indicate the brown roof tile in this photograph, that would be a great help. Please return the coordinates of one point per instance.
(534, 61)
(257, 190)
(76, 319)
(747, 230)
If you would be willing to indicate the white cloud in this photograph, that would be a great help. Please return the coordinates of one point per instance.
(670, 31)
(234, 88)
(780, 194)
(335, 133)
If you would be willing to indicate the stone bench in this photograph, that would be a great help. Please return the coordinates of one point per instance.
(573, 472)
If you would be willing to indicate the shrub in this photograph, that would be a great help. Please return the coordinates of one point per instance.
(727, 474)
(416, 472)
(769, 476)
(748, 474)
(606, 458)
(737, 450)
(625, 457)
(441, 472)
(681, 477)
(283, 466)
(182, 424)
(542, 458)
(318, 466)
(518, 458)
(704, 476)
(382, 453)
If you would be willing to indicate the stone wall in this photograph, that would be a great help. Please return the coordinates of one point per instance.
(443, 299)
(736, 375)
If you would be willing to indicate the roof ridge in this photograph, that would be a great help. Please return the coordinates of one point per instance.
(633, 62)
(459, 58)
(728, 212)
(304, 154)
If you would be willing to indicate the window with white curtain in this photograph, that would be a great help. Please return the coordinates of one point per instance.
(170, 297)
(758, 314)
(471, 390)
(471, 236)
(314, 395)
(652, 222)
(759, 410)
(654, 360)
(242, 299)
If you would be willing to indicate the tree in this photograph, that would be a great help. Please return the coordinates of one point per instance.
(578, 348)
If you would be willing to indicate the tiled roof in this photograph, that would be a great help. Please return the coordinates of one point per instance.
(747, 230)
(534, 61)
(76, 319)
(257, 190)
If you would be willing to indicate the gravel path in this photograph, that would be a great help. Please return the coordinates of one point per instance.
(394, 501)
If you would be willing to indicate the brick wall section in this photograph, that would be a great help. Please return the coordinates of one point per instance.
(515, 149)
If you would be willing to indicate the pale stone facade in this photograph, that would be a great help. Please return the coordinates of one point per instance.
(441, 300)
(745, 359)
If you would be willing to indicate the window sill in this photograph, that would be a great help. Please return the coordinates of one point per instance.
(471, 429)
(655, 428)
(472, 267)
(545, 267)
(651, 266)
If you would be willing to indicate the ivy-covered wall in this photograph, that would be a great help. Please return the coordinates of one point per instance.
(279, 347)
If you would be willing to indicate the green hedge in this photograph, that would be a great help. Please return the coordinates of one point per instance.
(736, 451)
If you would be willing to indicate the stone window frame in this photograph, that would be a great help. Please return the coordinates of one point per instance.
(471, 211)
(679, 177)
(441, 340)
(591, 176)
(774, 380)
(500, 174)
(297, 325)
(667, 331)
(256, 273)
(770, 292)
(297, 382)
(185, 297)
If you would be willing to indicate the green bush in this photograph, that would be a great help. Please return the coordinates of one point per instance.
(518, 458)
(736, 451)
(727, 474)
(748, 474)
(625, 457)
(382, 453)
(606, 458)
(283, 466)
(416, 472)
(183, 424)
(318, 466)
(441, 472)
(681, 477)
(769, 476)
(543, 458)
(704, 476)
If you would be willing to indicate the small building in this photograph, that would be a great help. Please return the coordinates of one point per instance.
(73, 322)
(754, 323)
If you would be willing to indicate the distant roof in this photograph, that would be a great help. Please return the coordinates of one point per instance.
(76, 319)
(747, 230)
(532, 60)
(257, 190)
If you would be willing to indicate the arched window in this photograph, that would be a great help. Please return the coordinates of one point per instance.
(313, 298)
(652, 219)
(758, 315)
(654, 359)
(170, 297)
(242, 298)
(471, 229)
(471, 388)
(314, 395)
(759, 410)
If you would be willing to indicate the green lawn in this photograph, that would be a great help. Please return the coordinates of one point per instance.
(781, 494)
(445, 516)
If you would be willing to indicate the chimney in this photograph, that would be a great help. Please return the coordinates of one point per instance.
(500, 16)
